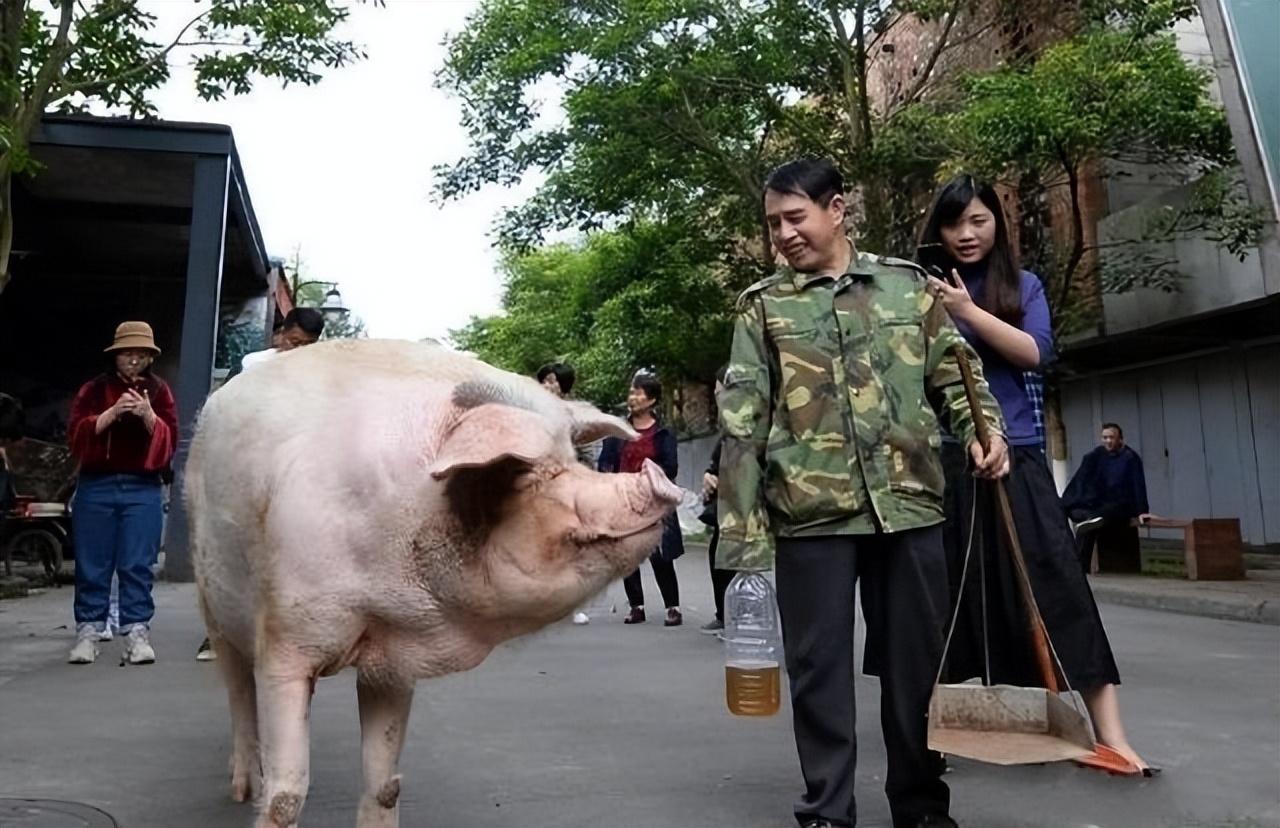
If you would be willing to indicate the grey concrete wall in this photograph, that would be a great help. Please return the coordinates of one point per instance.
(694, 456)
(1207, 427)
(1216, 279)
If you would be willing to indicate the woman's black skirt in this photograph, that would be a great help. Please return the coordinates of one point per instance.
(1061, 590)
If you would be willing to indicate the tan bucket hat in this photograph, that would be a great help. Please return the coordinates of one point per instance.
(133, 335)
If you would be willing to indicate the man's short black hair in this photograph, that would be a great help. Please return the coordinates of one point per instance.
(564, 374)
(12, 419)
(815, 178)
(1119, 430)
(649, 384)
(308, 320)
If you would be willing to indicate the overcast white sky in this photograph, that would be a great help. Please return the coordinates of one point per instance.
(343, 169)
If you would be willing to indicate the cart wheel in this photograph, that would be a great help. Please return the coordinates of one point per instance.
(34, 545)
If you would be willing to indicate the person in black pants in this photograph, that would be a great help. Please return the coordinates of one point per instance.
(657, 443)
(720, 578)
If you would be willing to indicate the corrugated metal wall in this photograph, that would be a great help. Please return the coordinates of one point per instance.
(1207, 427)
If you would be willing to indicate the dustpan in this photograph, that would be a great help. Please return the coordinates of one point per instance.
(1004, 724)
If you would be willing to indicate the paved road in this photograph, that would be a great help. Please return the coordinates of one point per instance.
(608, 725)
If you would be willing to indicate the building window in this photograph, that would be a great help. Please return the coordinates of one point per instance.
(1253, 25)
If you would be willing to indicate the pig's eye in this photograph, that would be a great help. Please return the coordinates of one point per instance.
(534, 476)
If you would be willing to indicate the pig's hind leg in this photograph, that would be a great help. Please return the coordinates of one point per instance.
(384, 717)
(246, 768)
(284, 711)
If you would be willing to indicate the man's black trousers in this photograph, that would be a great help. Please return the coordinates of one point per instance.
(905, 600)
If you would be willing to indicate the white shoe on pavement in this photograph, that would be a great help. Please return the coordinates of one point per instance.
(581, 618)
(137, 646)
(86, 649)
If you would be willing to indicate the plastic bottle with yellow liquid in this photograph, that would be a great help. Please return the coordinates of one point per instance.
(753, 646)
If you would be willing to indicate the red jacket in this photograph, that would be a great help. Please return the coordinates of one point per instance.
(124, 447)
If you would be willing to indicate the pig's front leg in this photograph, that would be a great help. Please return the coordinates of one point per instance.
(284, 707)
(384, 717)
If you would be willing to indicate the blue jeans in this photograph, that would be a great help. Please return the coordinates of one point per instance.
(116, 520)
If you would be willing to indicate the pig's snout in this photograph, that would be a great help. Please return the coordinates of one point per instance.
(663, 488)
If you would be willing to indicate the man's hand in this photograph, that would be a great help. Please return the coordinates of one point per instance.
(710, 483)
(990, 465)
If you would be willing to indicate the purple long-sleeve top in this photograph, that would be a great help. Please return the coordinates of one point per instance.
(1006, 380)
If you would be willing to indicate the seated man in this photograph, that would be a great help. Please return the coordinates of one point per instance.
(1107, 491)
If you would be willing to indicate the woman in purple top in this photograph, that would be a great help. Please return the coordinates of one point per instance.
(1001, 311)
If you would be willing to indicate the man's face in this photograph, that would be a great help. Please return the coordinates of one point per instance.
(806, 233)
(1111, 440)
(294, 337)
(552, 384)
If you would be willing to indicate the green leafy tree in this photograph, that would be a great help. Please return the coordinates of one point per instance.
(620, 301)
(677, 109)
(67, 56)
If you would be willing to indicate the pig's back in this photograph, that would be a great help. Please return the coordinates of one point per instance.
(300, 468)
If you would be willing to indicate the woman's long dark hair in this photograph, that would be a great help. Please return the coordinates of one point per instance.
(1003, 292)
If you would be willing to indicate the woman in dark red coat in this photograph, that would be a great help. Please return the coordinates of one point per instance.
(123, 430)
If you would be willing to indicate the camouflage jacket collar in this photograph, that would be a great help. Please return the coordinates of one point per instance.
(861, 268)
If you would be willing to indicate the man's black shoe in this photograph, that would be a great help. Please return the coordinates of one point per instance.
(817, 823)
(936, 821)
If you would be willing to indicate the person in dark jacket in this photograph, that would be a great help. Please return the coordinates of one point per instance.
(656, 443)
(720, 578)
(123, 430)
(1107, 491)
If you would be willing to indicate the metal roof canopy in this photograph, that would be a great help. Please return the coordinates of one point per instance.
(129, 219)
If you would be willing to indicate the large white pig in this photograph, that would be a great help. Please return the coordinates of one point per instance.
(397, 508)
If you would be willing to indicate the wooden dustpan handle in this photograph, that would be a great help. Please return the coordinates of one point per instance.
(1039, 636)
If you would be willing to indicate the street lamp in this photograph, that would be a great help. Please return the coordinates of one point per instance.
(332, 308)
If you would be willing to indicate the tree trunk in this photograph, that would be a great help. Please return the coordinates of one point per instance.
(6, 221)
(1077, 235)
(1055, 435)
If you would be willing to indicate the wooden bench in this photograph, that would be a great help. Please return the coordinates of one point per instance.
(1212, 546)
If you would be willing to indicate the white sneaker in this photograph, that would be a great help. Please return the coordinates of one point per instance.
(137, 646)
(106, 634)
(86, 649)
(581, 618)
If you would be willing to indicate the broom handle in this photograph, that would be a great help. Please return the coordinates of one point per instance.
(1039, 638)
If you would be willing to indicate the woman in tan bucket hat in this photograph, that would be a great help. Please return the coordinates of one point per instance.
(123, 430)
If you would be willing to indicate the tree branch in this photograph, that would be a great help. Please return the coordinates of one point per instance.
(938, 48)
(96, 86)
(30, 110)
(847, 72)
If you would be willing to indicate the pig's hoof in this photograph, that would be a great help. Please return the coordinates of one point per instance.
(243, 788)
(389, 793)
(282, 811)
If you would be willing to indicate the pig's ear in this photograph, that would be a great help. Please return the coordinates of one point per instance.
(591, 424)
(489, 433)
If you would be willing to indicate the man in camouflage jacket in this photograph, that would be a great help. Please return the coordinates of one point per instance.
(840, 368)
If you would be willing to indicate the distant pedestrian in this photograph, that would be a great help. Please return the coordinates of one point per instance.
(656, 443)
(720, 578)
(1107, 492)
(558, 378)
(301, 327)
(12, 425)
(123, 430)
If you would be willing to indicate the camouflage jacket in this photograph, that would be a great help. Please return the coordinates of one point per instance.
(830, 408)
